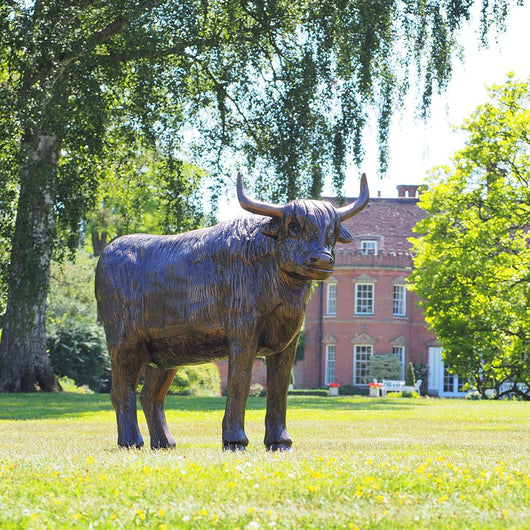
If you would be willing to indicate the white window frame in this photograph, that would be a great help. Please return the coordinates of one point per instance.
(399, 303)
(331, 299)
(399, 352)
(369, 246)
(362, 364)
(329, 376)
(363, 300)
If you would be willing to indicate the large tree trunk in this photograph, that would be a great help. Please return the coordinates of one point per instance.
(24, 364)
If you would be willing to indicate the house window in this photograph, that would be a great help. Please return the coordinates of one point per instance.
(364, 298)
(362, 357)
(330, 364)
(452, 383)
(399, 352)
(369, 246)
(331, 300)
(400, 308)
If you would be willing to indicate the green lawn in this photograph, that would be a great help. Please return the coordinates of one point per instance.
(356, 463)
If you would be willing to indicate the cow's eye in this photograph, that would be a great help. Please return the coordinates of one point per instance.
(295, 229)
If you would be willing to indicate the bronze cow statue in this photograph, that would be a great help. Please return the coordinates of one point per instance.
(235, 290)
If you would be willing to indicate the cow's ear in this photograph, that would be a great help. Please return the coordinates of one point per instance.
(344, 236)
(272, 228)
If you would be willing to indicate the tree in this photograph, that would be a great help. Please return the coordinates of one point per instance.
(143, 192)
(282, 82)
(472, 264)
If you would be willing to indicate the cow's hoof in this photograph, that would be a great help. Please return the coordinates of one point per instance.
(163, 445)
(279, 447)
(234, 447)
(134, 445)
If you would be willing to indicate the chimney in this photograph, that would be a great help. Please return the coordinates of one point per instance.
(407, 191)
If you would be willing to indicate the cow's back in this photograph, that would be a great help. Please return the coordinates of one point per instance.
(172, 292)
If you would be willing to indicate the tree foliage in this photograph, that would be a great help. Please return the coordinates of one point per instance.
(285, 84)
(143, 192)
(75, 342)
(386, 366)
(473, 250)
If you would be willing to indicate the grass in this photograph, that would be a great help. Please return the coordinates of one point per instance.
(357, 463)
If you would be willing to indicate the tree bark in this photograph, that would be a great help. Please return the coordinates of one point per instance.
(99, 241)
(24, 363)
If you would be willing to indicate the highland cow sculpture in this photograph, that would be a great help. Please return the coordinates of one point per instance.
(235, 290)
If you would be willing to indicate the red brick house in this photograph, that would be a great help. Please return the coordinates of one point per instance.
(365, 308)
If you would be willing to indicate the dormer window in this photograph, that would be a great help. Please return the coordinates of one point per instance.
(369, 246)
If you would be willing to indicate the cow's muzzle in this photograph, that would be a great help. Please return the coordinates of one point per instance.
(323, 261)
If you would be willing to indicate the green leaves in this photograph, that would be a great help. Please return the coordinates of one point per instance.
(473, 254)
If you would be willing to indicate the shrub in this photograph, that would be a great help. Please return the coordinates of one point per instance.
(410, 378)
(309, 392)
(351, 390)
(197, 380)
(257, 390)
(68, 385)
(385, 367)
(475, 395)
(77, 350)
(422, 372)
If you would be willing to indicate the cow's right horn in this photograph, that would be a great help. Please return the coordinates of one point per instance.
(352, 209)
(253, 206)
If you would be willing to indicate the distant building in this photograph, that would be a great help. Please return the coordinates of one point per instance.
(365, 308)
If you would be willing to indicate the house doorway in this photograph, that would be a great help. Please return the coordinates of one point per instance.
(441, 382)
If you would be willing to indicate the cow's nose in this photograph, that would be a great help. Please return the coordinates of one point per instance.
(321, 260)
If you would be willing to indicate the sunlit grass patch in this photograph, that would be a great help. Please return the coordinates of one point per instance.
(358, 462)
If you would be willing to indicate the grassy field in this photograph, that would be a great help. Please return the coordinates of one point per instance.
(356, 463)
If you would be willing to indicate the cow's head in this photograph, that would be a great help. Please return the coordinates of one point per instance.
(306, 231)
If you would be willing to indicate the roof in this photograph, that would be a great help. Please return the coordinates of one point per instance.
(389, 221)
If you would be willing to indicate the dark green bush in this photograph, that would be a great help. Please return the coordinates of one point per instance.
(77, 350)
(422, 372)
(410, 377)
(309, 392)
(351, 390)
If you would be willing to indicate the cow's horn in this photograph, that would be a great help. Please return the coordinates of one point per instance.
(253, 206)
(352, 209)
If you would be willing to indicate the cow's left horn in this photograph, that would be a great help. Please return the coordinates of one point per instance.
(352, 209)
(253, 206)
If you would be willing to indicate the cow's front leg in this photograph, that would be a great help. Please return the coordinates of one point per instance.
(127, 364)
(240, 364)
(152, 397)
(278, 376)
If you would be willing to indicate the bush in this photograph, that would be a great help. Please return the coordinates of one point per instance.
(257, 390)
(351, 390)
(68, 385)
(410, 378)
(77, 350)
(385, 366)
(309, 392)
(422, 372)
(475, 395)
(197, 380)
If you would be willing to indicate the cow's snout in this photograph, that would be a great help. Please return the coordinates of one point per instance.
(321, 260)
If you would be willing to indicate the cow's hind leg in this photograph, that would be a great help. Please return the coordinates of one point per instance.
(278, 376)
(127, 365)
(156, 384)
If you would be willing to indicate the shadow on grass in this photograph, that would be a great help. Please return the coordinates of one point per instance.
(62, 405)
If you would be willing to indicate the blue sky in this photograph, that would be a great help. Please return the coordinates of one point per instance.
(415, 146)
